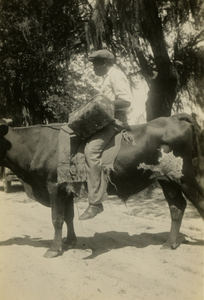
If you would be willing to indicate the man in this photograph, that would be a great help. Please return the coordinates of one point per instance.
(115, 86)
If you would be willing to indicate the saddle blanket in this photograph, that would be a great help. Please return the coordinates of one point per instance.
(71, 171)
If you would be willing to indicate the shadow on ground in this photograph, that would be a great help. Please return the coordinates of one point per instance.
(101, 243)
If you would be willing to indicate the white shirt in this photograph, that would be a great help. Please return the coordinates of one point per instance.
(116, 86)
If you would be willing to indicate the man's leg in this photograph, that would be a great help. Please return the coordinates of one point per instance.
(96, 180)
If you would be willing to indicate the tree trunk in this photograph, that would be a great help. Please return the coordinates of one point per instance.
(161, 96)
(163, 88)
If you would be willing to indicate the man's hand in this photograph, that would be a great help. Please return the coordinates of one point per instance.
(120, 125)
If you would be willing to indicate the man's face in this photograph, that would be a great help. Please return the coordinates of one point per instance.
(99, 67)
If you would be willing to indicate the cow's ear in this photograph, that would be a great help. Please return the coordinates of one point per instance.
(3, 129)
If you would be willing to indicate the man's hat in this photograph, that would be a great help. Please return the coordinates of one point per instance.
(102, 55)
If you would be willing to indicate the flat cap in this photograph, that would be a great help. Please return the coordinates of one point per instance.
(102, 54)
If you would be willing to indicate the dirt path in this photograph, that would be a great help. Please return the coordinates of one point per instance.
(117, 255)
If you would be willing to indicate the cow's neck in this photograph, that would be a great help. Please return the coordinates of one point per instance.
(19, 157)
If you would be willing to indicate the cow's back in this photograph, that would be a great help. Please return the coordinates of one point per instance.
(170, 134)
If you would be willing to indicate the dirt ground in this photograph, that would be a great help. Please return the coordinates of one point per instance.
(117, 255)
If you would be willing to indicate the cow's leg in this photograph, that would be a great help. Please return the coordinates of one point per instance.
(177, 205)
(69, 217)
(195, 194)
(58, 211)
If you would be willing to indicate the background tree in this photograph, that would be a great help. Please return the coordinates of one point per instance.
(162, 37)
(44, 46)
(38, 39)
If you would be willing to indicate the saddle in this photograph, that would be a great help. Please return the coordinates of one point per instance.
(71, 171)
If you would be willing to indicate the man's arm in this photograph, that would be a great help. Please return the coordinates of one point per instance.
(120, 86)
(120, 125)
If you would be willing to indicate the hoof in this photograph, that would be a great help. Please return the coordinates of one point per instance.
(174, 246)
(52, 253)
(169, 246)
(166, 246)
(70, 244)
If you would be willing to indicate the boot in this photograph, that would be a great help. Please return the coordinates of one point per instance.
(91, 211)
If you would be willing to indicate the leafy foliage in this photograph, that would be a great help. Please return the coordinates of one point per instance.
(162, 37)
(44, 45)
(168, 165)
(38, 38)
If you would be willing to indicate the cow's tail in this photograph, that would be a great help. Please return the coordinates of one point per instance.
(198, 134)
(198, 144)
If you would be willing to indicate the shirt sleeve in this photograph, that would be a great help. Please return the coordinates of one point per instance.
(120, 86)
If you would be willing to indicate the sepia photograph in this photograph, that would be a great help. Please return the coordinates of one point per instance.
(102, 149)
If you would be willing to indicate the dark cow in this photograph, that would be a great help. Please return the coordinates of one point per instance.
(32, 154)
